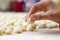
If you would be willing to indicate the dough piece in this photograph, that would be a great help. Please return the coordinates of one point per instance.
(31, 27)
(29, 21)
(17, 31)
(5, 27)
(1, 31)
(21, 25)
(52, 24)
(10, 21)
(40, 24)
(9, 30)
(46, 24)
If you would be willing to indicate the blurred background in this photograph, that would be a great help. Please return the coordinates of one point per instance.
(16, 5)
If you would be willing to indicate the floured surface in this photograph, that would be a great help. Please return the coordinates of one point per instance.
(38, 35)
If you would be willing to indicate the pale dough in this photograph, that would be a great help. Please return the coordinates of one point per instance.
(46, 24)
(1, 31)
(20, 26)
(9, 30)
(31, 27)
(16, 24)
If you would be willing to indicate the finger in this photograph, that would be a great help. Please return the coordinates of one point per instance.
(49, 15)
(37, 16)
(40, 6)
(33, 17)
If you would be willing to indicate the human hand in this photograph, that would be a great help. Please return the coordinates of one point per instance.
(50, 10)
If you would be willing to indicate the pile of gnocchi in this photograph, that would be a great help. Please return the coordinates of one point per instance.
(11, 25)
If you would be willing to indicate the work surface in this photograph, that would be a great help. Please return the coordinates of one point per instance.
(37, 35)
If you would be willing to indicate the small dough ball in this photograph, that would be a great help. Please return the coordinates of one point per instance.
(23, 29)
(7, 27)
(29, 21)
(1, 31)
(10, 27)
(8, 31)
(52, 25)
(12, 23)
(40, 24)
(20, 25)
(31, 27)
(17, 31)
(46, 24)
(4, 27)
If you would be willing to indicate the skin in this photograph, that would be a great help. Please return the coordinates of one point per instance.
(51, 11)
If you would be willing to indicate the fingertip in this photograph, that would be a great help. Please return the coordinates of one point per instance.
(33, 17)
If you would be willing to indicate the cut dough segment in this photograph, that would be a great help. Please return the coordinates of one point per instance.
(5, 27)
(31, 27)
(40, 24)
(9, 30)
(17, 31)
(52, 25)
(29, 21)
(21, 25)
(46, 24)
(1, 31)
(19, 28)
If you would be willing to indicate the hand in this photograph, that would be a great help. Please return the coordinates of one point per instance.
(50, 10)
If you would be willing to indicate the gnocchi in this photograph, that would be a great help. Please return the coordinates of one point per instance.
(18, 25)
(31, 27)
(46, 24)
(1, 31)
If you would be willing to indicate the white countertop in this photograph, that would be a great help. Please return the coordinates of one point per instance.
(39, 35)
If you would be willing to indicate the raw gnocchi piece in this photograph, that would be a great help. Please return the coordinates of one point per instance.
(10, 27)
(29, 21)
(9, 30)
(21, 24)
(40, 24)
(52, 25)
(1, 31)
(46, 24)
(19, 28)
(17, 31)
(5, 27)
(11, 22)
(31, 27)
